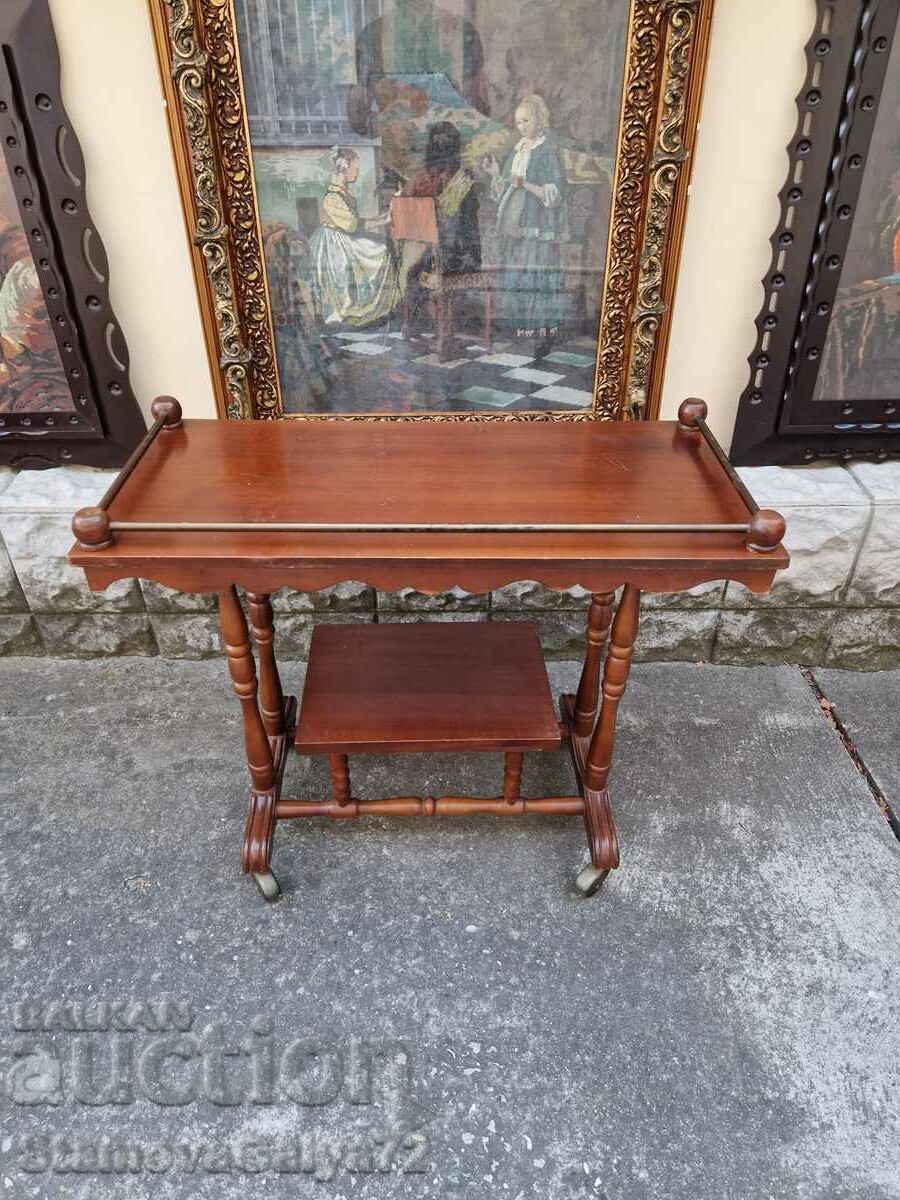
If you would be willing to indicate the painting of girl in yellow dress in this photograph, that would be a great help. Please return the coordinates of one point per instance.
(354, 275)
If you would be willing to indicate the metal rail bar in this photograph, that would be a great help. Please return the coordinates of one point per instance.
(131, 462)
(725, 463)
(409, 527)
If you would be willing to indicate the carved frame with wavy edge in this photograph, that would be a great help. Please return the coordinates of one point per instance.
(686, 23)
(780, 418)
(665, 62)
(59, 247)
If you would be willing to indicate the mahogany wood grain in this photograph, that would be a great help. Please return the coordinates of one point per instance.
(256, 851)
(484, 472)
(599, 621)
(265, 757)
(512, 776)
(270, 693)
(466, 686)
(340, 778)
(598, 818)
(428, 806)
(236, 637)
(605, 471)
(398, 688)
(615, 678)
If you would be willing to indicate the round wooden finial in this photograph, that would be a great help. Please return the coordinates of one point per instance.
(690, 410)
(168, 407)
(91, 528)
(765, 531)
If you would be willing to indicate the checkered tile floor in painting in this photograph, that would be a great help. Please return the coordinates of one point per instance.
(408, 376)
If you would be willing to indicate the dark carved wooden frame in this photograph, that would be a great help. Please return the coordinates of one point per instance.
(200, 68)
(778, 420)
(47, 172)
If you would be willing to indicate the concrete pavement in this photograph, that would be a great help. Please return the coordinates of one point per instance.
(431, 1010)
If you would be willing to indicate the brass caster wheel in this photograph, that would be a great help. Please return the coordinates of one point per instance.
(267, 884)
(589, 879)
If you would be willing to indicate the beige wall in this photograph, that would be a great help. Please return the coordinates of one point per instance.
(756, 68)
(111, 89)
(110, 86)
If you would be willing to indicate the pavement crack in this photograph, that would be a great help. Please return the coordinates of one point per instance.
(830, 712)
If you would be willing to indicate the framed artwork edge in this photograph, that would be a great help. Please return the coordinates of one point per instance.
(199, 61)
(181, 160)
(43, 157)
(842, 73)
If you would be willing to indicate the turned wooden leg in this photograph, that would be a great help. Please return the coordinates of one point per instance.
(579, 712)
(270, 693)
(257, 849)
(243, 675)
(599, 621)
(512, 776)
(598, 818)
(340, 778)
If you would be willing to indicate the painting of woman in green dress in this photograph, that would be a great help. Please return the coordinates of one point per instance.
(530, 192)
(354, 276)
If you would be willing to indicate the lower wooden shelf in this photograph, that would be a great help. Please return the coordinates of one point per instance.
(435, 686)
(428, 686)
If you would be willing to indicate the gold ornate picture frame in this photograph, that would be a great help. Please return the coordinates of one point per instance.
(664, 56)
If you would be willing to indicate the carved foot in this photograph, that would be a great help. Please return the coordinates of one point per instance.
(601, 830)
(256, 852)
(603, 842)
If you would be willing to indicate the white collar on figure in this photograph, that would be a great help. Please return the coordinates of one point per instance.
(524, 144)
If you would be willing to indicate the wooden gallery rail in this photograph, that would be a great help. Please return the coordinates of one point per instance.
(211, 506)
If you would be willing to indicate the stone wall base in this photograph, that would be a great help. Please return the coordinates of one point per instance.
(838, 604)
(865, 639)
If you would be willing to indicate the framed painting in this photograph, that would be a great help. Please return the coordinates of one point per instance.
(420, 209)
(825, 371)
(65, 396)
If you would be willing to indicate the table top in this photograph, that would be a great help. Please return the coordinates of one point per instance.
(435, 473)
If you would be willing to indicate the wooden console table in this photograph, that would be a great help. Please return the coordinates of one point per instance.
(212, 506)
